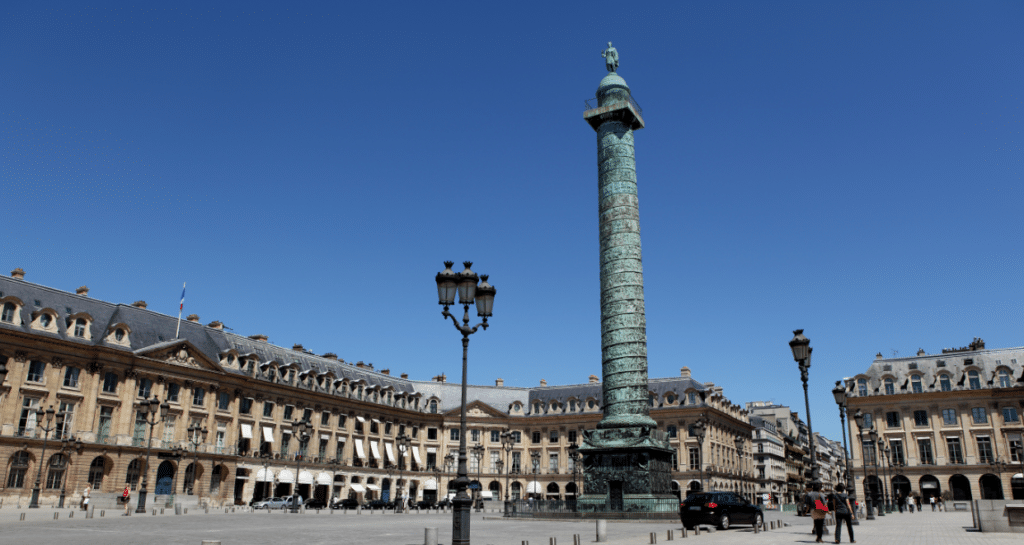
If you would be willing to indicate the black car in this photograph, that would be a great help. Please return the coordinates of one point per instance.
(722, 509)
(379, 504)
(444, 504)
(347, 503)
(423, 504)
(314, 503)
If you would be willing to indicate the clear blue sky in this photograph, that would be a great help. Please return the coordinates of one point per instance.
(854, 169)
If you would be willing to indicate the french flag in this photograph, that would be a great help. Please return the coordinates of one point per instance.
(182, 306)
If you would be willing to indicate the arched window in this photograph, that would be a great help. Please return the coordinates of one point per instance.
(19, 467)
(591, 403)
(96, 473)
(890, 388)
(132, 477)
(1004, 378)
(915, 384)
(190, 477)
(944, 383)
(670, 399)
(862, 387)
(974, 382)
(55, 476)
(8, 312)
(80, 327)
(215, 480)
(433, 406)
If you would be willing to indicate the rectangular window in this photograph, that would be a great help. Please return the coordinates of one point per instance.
(431, 460)
(169, 423)
(495, 457)
(517, 465)
(66, 425)
(868, 421)
(374, 427)
(245, 405)
(694, 459)
(288, 409)
(35, 371)
(924, 449)
(920, 418)
(172, 392)
(985, 450)
(8, 312)
(1010, 414)
(552, 463)
(535, 438)
(431, 434)
(517, 437)
(223, 401)
(869, 453)
(944, 383)
(27, 422)
(343, 422)
(454, 434)
(322, 451)
(339, 450)
(307, 415)
(325, 419)
(948, 417)
(198, 396)
(1015, 449)
(139, 432)
(495, 436)
(474, 465)
(388, 426)
(553, 436)
(71, 377)
(145, 388)
(979, 415)
(286, 438)
(268, 409)
(892, 419)
(572, 436)
(359, 425)
(956, 451)
(897, 451)
(221, 433)
(103, 430)
(474, 435)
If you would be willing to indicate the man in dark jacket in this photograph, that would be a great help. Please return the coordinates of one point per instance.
(843, 511)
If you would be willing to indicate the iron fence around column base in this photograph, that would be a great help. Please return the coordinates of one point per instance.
(633, 509)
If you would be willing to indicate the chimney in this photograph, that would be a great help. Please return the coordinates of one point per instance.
(258, 337)
(920, 352)
(18, 274)
(193, 318)
(83, 291)
(878, 356)
(440, 378)
(216, 325)
(499, 382)
(385, 372)
(594, 379)
(684, 372)
(330, 356)
(360, 364)
(139, 304)
(298, 348)
(370, 365)
(405, 375)
(543, 382)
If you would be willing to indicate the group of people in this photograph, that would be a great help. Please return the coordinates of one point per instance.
(838, 502)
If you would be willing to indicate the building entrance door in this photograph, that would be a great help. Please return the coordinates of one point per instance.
(164, 479)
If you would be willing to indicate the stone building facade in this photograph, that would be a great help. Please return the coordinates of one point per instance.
(96, 362)
(951, 422)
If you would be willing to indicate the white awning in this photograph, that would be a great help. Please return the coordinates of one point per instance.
(431, 484)
(486, 494)
(360, 453)
(1018, 476)
(374, 450)
(416, 456)
(247, 431)
(268, 434)
(375, 421)
(357, 488)
(341, 439)
(324, 478)
(388, 448)
(305, 477)
(285, 476)
(533, 488)
(361, 419)
(265, 475)
(325, 436)
(372, 487)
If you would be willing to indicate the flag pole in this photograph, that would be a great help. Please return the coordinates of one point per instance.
(180, 307)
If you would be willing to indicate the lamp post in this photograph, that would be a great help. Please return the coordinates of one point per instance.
(575, 456)
(334, 464)
(437, 479)
(897, 470)
(448, 282)
(700, 429)
(177, 453)
(403, 445)
(67, 444)
(507, 443)
(301, 429)
(449, 463)
(801, 347)
(839, 392)
(873, 438)
(739, 453)
(265, 457)
(48, 416)
(535, 460)
(890, 497)
(196, 436)
(858, 417)
(150, 407)
(390, 470)
(478, 453)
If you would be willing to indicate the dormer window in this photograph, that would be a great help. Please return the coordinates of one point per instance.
(45, 320)
(890, 388)
(1004, 378)
(973, 380)
(80, 328)
(862, 387)
(944, 383)
(119, 334)
(8, 312)
(915, 384)
(670, 399)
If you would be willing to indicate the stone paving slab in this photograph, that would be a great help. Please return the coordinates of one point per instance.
(487, 529)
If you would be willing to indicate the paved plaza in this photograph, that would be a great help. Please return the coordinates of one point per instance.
(408, 529)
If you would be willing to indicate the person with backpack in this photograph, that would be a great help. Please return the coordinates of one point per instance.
(816, 503)
(839, 503)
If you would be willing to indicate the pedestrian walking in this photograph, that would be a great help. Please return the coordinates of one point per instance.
(843, 512)
(816, 503)
(85, 499)
(911, 503)
(932, 500)
(126, 497)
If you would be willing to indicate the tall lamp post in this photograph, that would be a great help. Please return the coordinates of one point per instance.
(873, 438)
(301, 429)
(739, 452)
(67, 444)
(403, 445)
(575, 456)
(1020, 458)
(266, 457)
(700, 429)
(507, 443)
(839, 392)
(478, 453)
(858, 417)
(150, 406)
(448, 282)
(449, 463)
(890, 497)
(801, 347)
(196, 436)
(40, 416)
(897, 466)
(390, 470)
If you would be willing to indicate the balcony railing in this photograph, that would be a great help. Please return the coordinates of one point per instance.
(592, 103)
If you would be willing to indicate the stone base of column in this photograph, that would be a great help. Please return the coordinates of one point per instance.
(627, 470)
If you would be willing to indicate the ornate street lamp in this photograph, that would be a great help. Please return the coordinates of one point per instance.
(196, 436)
(149, 409)
(266, 457)
(858, 417)
(846, 476)
(739, 453)
(478, 453)
(300, 427)
(40, 415)
(700, 429)
(801, 347)
(67, 444)
(334, 464)
(507, 443)
(873, 438)
(438, 471)
(890, 498)
(403, 445)
(483, 296)
(390, 470)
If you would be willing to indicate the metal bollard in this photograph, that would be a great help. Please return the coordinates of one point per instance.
(210, 542)
(185, 510)
(602, 530)
(207, 510)
(683, 534)
(772, 525)
(154, 511)
(102, 512)
(430, 536)
(22, 516)
(91, 512)
(696, 530)
(552, 541)
(71, 515)
(668, 536)
(161, 510)
(757, 528)
(55, 515)
(177, 509)
(654, 538)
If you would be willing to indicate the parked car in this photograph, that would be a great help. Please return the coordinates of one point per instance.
(444, 504)
(273, 503)
(722, 509)
(314, 503)
(423, 504)
(347, 503)
(379, 504)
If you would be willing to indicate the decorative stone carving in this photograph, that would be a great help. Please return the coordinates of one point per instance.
(57, 362)
(20, 356)
(181, 357)
(131, 373)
